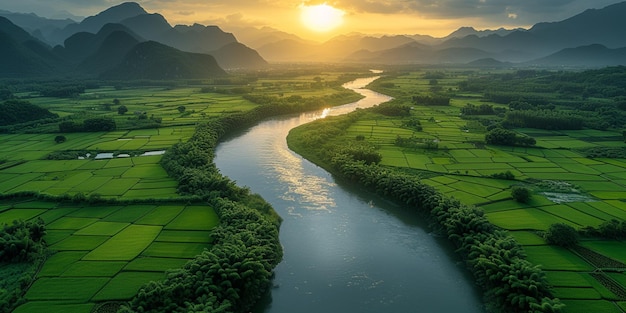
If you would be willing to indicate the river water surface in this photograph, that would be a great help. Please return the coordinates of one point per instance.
(345, 250)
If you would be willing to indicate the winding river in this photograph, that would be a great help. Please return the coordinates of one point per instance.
(345, 250)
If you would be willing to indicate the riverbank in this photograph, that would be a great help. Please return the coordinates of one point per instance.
(492, 256)
(345, 250)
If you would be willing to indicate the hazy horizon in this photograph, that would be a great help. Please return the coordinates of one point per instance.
(424, 17)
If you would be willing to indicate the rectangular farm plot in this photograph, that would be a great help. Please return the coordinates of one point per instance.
(178, 250)
(7, 217)
(587, 306)
(150, 171)
(129, 213)
(195, 218)
(94, 269)
(611, 249)
(53, 306)
(185, 236)
(524, 219)
(126, 245)
(57, 263)
(161, 215)
(79, 243)
(71, 223)
(65, 288)
(556, 258)
(148, 264)
(573, 215)
(117, 187)
(125, 285)
(102, 229)
(163, 193)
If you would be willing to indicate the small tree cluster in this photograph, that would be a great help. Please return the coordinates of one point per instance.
(561, 234)
(521, 194)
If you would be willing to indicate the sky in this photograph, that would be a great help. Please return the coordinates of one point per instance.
(437, 18)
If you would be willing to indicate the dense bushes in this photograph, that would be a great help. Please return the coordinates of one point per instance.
(505, 137)
(236, 271)
(19, 111)
(22, 249)
(96, 124)
(561, 234)
(497, 261)
(544, 119)
(229, 277)
(431, 100)
(22, 241)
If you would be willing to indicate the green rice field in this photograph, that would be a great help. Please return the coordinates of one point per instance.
(107, 253)
(590, 191)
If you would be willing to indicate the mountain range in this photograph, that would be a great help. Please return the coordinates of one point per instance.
(98, 45)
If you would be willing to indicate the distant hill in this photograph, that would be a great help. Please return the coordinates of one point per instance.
(153, 60)
(22, 55)
(39, 27)
(601, 26)
(196, 38)
(81, 45)
(93, 24)
(586, 56)
(236, 55)
(109, 54)
(488, 63)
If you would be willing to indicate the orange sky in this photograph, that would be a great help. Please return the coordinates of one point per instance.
(426, 17)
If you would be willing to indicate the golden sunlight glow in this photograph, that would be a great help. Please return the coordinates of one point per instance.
(321, 17)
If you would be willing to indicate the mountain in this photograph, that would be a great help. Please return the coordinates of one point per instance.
(196, 38)
(109, 54)
(37, 26)
(153, 60)
(93, 24)
(594, 26)
(334, 50)
(83, 44)
(467, 31)
(488, 63)
(257, 37)
(22, 55)
(149, 26)
(595, 55)
(237, 55)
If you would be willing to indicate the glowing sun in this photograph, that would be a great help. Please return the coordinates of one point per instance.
(321, 17)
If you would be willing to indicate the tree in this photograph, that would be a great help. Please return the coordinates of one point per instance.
(181, 108)
(561, 234)
(116, 101)
(122, 109)
(60, 139)
(520, 194)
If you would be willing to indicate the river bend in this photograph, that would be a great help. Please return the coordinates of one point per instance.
(345, 250)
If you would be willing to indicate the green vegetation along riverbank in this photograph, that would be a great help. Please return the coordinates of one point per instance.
(136, 214)
(434, 156)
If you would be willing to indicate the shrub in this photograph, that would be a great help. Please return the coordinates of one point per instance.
(520, 194)
(561, 235)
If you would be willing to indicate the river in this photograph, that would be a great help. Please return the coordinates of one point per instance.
(345, 249)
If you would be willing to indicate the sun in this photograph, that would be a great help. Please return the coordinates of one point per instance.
(321, 17)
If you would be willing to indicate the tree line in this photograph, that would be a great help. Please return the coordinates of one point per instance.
(235, 272)
(509, 282)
